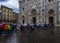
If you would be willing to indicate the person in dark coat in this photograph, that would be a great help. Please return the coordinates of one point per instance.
(21, 28)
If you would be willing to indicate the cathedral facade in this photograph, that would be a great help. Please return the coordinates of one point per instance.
(39, 11)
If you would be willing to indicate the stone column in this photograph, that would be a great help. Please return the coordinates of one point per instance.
(20, 15)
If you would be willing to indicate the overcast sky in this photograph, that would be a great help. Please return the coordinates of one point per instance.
(11, 3)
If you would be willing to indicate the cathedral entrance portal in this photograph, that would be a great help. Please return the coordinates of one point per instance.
(33, 15)
(51, 20)
(51, 13)
(34, 19)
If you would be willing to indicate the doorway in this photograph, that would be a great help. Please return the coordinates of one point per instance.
(34, 19)
(23, 21)
(51, 20)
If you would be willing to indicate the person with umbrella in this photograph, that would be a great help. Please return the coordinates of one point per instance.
(1, 30)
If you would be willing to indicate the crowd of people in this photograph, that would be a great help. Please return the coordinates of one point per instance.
(30, 27)
(8, 28)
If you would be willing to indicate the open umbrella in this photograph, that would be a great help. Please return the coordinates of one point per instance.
(1, 25)
(24, 24)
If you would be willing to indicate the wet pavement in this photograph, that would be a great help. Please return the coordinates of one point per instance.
(10, 39)
(42, 36)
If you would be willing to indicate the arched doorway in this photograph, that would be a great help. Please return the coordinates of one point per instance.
(33, 15)
(34, 19)
(51, 16)
(51, 20)
(23, 19)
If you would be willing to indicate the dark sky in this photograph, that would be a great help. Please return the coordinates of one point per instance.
(2, 0)
(10, 4)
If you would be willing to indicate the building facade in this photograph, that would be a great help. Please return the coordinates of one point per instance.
(6, 13)
(39, 11)
(0, 16)
(15, 17)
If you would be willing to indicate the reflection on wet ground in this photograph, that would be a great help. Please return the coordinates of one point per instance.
(10, 39)
(42, 36)
(48, 36)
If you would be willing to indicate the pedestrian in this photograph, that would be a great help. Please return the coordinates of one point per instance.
(32, 28)
(9, 28)
(14, 27)
(5, 27)
(21, 28)
(1, 30)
